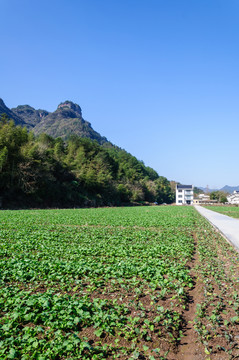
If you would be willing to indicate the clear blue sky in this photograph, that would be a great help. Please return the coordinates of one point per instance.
(159, 78)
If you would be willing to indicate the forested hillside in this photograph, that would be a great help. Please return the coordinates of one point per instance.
(45, 172)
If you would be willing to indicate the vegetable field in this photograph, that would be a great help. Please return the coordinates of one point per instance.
(232, 211)
(116, 283)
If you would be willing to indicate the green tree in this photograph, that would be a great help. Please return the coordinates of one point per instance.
(220, 196)
(164, 193)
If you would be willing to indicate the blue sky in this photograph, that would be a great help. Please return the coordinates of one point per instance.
(157, 78)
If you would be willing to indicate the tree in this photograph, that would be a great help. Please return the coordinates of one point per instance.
(164, 193)
(220, 196)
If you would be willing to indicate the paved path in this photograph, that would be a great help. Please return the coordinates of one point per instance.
(228, 226)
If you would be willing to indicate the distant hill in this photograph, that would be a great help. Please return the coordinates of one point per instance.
(229, 189)
(226, 188)
(65, 121)
(206, 189)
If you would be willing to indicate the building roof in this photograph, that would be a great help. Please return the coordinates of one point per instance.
(179, 186)
(233, 196)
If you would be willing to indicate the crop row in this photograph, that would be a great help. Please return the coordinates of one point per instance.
(93, 283)
(113, 283)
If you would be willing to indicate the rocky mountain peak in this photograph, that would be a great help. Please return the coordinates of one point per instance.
(67, 120)
(70, 105)
(30, 115)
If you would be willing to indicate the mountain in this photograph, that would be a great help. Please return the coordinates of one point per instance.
(11, 114)
(206, 189)
(229, 189)
(65, 121)
(226, 188)
(29, 115)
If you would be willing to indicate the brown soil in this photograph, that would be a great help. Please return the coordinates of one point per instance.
(190, 348)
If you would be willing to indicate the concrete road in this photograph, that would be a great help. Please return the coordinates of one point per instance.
(228, 226)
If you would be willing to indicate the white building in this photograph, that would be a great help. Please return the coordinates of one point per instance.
(184, 194)
(234, 197)
(204, 197)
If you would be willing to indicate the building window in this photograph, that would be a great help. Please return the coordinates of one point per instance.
(180, 196)
(179, 190)
(180, 201)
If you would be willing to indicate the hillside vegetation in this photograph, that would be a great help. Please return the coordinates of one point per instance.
(43, 171)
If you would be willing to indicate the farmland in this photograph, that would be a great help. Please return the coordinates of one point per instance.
(116, 283)
(232, 211)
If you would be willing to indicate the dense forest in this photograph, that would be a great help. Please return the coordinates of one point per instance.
(40, 171)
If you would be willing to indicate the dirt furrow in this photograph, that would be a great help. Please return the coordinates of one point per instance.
(190, 347)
